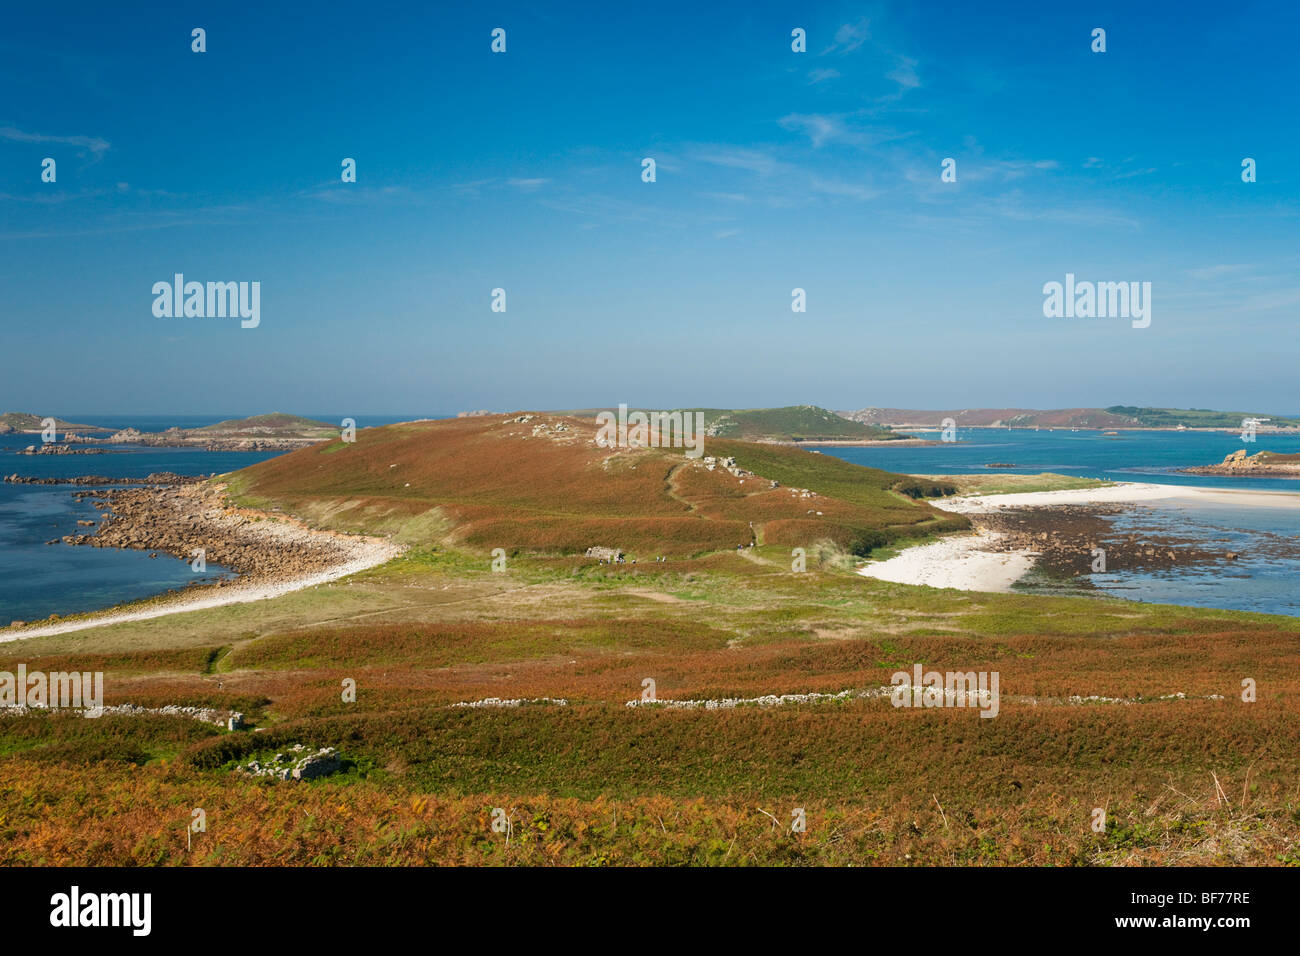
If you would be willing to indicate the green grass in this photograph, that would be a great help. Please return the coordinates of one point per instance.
(280, 424)
(995, 483)
(802, 423)
(1193, 417)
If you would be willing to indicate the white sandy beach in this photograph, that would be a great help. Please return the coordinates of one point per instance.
(960, 561)
(366, 553)
(1124, 492)
(964, 561)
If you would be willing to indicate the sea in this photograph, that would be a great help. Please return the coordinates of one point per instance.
(38, 579)
(1266, 537)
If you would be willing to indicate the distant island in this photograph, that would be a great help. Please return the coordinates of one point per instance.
(278, 431)
(790, 424)
(1112, 417)
(274, 432)
(23, 422)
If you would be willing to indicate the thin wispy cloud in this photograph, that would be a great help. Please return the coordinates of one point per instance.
(1014, 207)
(475, 186)
(1217, 271)
(975, 167)
(92, 145)
(1268, 301)
(820, 128)
(1124, 169)
(905, 73)
(350, 194)
(472, 187)
(850, 37)
(823, 128)
(734, 157)
(853, 36)
(1009, 169)
(51, 199)
(840, 188)
(609, 210)
(235, 216)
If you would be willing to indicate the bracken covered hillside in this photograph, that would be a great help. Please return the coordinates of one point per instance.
(540, 483)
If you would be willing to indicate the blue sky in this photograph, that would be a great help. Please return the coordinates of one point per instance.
(776, 170)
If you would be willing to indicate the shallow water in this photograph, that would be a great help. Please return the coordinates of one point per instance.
(1266, 539)
(37, 580)
(1132, 456)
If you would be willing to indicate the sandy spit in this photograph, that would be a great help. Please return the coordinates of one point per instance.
(345, 554)
(965, 563)
(1124, 492)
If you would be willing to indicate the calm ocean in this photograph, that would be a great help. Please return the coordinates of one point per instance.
(37, 579)
(1267, 538)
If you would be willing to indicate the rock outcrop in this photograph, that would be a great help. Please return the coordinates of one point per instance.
(298, 763)
(57, 448)
(1262, 464)
(179, 519)
(156, 478)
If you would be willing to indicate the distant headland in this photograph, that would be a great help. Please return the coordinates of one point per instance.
(1112, 417)
(274, 432)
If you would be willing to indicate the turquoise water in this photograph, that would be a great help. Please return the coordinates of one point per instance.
(1267, 538)
(1132, 456)
(38, 579)
(1262, 579)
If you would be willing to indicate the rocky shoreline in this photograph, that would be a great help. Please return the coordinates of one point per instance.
(1264, 464)
(54, 448)
(180, 519)
(1065, 538)
(273, 554)
(179, 438)
(1082, 541)
(155, 478)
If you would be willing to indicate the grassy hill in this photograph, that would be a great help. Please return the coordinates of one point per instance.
(791, 423)
(798, 423)
(543, 485)
(1194, 417)
(273, 425)
(29, 422)
(1128, 706)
